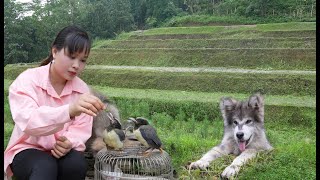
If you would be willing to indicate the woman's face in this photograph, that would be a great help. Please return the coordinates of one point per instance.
(68, 66)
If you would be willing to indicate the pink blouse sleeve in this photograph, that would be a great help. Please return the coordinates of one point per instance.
(31, 118)
(79, 131)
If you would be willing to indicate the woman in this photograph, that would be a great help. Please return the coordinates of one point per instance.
(52, 110)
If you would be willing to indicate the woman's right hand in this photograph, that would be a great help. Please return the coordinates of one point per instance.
(86, 103)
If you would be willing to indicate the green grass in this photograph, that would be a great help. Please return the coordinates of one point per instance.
(201, 97)
(291, 131)
(96, 43)
(293, 157)
(188, 120)
(184, 30)
(281, 30)
(239, 34)
(297, 85)
(166, 95)
(291, 26)
(198, 20)
(269, 59)
(194, 20)
(290, 109)
(301, 26)
(212, 43)
(288, 59)
(8, 123)
(272, 84)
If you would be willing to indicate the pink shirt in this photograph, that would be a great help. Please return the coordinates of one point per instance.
(41, 115)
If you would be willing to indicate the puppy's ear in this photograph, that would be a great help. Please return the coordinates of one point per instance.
(227, 104)
(256, 101)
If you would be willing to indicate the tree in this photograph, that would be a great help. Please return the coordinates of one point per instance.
(161, 10)
(138, 11)
(107, 18)
(13, 46)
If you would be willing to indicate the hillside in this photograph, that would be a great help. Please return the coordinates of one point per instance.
(181, 73)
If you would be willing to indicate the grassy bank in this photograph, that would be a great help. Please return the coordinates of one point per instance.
(213, 43)
(289, 59)
(272, 30)
(201, 20)
(200, 128)
(294, 26)
(299, 111)
(268, 59)
(239, 34)
(273, 84)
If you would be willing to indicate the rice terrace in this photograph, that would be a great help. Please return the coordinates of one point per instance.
(175, 76)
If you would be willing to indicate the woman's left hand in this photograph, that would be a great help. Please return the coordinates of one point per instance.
(61, 147)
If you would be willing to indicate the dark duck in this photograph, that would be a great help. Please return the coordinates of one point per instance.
(146, 134)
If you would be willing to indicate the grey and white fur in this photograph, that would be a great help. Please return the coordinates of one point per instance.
(100, 122)
(244, 134)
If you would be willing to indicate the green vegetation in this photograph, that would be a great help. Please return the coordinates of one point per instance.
(205, 82)
(289, 59)
(296, 26)
(272, 30)
(212, 43)
(273, 84)
(301, 26)
(288, 46)
(28, 38)
(239, 34)
(205, 20)
(202, 20)
(8, 123)
(243, 59)
(200, 127)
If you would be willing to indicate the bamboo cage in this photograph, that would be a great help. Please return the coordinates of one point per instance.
(132, 163)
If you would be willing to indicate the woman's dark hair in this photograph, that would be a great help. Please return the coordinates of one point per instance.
(71, 38)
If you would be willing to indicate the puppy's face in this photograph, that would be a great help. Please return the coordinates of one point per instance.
(242, 117)
(243, 130)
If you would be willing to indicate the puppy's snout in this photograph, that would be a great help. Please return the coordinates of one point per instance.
(240, 135)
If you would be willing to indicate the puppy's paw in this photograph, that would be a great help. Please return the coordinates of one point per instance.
(230, 171)
(202, 164)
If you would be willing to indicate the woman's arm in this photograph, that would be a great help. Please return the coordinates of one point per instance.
(31, 118)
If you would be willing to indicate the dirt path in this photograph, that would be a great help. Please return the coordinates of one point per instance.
(204, 69)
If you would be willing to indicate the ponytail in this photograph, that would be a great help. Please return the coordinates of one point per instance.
(46, 60)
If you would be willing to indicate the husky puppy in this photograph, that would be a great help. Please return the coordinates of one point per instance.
(244, 134)
(100, 122)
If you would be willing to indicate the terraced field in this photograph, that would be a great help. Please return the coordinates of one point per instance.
(176, 76)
